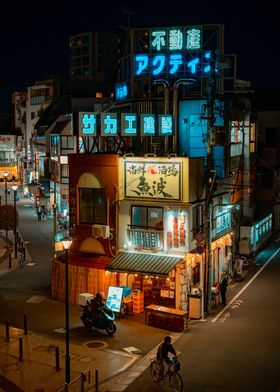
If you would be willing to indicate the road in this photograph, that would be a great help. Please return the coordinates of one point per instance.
(240, 351)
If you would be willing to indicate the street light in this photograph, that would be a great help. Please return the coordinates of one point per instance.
(15, 187)
(5, 174)
(67, 242)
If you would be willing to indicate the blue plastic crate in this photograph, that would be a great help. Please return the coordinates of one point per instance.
(127, 291)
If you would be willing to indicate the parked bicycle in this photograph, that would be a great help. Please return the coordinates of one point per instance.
(247, 260)
(172, 373)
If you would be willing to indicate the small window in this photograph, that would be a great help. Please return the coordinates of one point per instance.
(149, 217)
(92, 206)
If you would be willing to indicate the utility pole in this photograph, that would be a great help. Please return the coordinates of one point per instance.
(209, 184)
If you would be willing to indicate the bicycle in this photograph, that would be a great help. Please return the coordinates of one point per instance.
(247, 260)
(174, 377)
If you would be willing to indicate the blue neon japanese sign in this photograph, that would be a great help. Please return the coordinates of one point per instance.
(176, 39)
(165, 124)
(87, 124)
(171, 64)
(121, 91)
(127, 124)
(147, 125)
(109, 124)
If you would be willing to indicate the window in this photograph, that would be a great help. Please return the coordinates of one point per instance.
(55, 145)
(92, 206)
(67, 142)
(147, 216)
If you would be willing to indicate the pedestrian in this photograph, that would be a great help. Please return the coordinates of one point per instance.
(39, 213)
(223, 288)
(44, 213)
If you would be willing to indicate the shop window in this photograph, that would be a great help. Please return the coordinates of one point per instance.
(147, 217)
(92, 207)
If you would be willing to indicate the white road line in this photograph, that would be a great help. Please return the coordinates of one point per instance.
(244, 288)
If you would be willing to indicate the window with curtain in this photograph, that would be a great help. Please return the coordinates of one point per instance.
(92, 208)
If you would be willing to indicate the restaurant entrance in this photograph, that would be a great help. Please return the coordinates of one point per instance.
(157, 290)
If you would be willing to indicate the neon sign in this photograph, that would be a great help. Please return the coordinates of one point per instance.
(121, 91)
(176, 38)
(171, 64)
(150, 124)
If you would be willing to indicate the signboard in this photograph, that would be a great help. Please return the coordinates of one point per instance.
(153, 180)
(114, 298)
(126, 124)
(145, 239)
(223, 222)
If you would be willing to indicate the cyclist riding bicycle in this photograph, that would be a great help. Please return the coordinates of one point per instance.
(162, 354)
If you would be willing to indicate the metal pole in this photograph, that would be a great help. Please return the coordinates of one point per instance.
(20, 348)
(7, 331)
(15, 225)
(57, 367)
(67, 355)
(96, 380)
(25, 324)
(6, 202)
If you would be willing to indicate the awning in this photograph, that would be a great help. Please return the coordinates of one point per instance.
(132, 262)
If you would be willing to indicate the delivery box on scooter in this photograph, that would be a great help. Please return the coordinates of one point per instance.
(84, 297)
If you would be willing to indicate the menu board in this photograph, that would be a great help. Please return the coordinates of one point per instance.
(145, 239)
(114, 298)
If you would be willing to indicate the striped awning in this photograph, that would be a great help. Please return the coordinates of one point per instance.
(132, 262)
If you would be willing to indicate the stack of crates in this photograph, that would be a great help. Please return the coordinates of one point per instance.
(138, 301)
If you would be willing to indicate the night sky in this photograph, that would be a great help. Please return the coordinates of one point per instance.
(35, 34)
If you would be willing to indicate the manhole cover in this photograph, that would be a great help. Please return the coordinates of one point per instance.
(96, 344)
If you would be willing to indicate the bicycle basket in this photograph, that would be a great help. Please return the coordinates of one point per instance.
(177, 366)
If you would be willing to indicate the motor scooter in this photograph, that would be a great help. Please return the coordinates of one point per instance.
(104, 320)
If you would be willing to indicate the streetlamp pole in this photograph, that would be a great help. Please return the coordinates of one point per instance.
(66, 245)
(6, 203)
(15, 187)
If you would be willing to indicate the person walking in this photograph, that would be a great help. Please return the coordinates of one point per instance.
(223, 288)
(39, 213)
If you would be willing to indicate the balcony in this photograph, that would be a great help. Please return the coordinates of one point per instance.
(141, 237)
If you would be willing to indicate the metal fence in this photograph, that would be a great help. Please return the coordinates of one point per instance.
(79, 384)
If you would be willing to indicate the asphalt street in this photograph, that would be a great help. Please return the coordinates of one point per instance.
(236, 348)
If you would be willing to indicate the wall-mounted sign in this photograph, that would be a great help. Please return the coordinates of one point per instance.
(223, 222)
(121, 91)
(152, 180)
(114, 298)
(175, 224)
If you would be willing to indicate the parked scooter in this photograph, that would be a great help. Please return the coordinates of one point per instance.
(104, 318)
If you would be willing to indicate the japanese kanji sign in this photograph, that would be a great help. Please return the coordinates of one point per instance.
(152, 180)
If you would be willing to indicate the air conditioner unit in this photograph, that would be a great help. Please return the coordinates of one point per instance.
(100, 231)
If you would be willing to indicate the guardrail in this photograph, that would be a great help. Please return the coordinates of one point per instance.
(79, 384)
